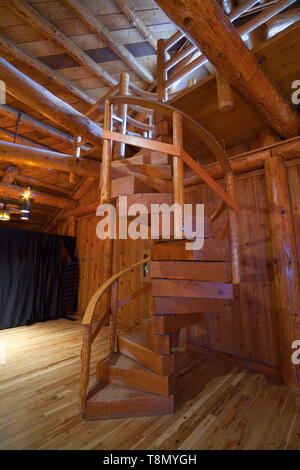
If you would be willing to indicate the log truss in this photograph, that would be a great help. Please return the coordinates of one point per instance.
(67, 60)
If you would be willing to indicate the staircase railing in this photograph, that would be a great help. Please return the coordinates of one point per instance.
(90, 333)
(180, 121)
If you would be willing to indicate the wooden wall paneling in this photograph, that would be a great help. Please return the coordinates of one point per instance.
(248, 329)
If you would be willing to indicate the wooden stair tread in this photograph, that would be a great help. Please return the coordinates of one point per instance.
(148, 198)
(188, 305)
(107, 401)
(187, 288)
(122, 370)
(135, 346)
(150, 157)
(219, 271)
(127, 185)
(174, 250)
(160, 344)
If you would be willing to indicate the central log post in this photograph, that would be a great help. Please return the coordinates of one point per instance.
(178, 177)
(286, 267)
(119, 147)
(105, 197)
(161, 71)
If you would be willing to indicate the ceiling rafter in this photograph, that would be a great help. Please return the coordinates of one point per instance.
(19, 154)
(94, 24)
(31, 16)
(36, 96)
(15, 192)
(33, 182)
(30, 63)
(137, 22)
(36, 125)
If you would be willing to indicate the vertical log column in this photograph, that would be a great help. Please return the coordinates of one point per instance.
(224, 90)
(105, 177)
(161, 71)
(178, 194)
(286, 267)
(105, 197)
(178, 177)
(119, 147)
(233, 231)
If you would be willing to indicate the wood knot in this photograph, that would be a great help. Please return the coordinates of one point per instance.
(188, 22)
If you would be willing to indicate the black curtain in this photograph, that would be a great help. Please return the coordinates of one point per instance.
(31, 275)
(70, 275)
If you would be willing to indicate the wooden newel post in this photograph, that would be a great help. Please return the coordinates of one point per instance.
(286, 268)
(105, 177)
(178, 177)
(119, 147)
(113, 318)
(233, 231)
(85, 364)
(105, 197)
(161, 71)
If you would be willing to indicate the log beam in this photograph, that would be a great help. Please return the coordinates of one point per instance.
(19, 154)
(31, 16)
(30, 63)
(37, 97)
(15, 192)
(206, 26)
(224, 90)
(137, 22)
(95, 25)
(251, 161)
(36, 125)
(9, 136)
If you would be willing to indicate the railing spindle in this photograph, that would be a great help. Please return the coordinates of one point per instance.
(178, 176)
(85, 364)
(233, 231)
(113, 317)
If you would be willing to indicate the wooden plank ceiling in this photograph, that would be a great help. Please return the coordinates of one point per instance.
(33, 42)
(278, 57)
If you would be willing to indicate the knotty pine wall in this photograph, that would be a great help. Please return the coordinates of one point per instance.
(249, 328)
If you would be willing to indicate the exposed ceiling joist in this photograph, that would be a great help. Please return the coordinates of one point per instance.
(207, 26)
(15, 192)
(94, 24)
(38, 126)
(19, 154)
(9, 136)
(37, 97)
(49, 30)
(137, 22)
(33, 182)
(30, 64)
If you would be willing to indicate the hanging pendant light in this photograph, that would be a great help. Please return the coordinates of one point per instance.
(26, 204)
(4, 214)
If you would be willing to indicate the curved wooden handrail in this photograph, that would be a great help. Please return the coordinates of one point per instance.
(89, 335)
(89, 312)
(196, 128)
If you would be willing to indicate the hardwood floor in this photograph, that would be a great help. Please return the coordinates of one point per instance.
(227, 408)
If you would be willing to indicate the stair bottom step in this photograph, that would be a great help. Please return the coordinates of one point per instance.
(107, 401)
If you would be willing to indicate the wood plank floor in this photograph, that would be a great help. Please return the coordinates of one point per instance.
(227, 407)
